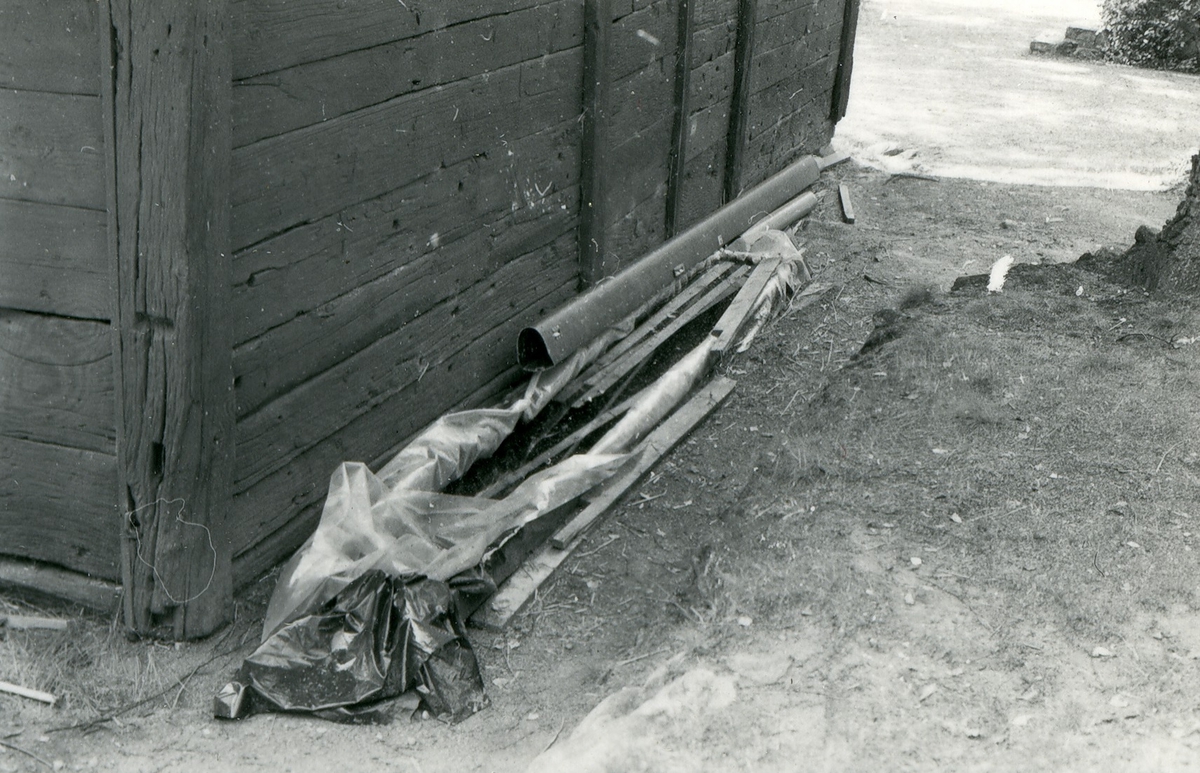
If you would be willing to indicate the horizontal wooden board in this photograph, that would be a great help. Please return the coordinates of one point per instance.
(50, 46)
(51, 149)
(470, 355)
(779, 64)
(271, 104)
(54, 259)
(641, 229)
(295, 273)
(58, 504)
(56, 381)
(800, 133)
(34, 578)
(271, 35)
(317, 171)
(710, 12)
(317, 408)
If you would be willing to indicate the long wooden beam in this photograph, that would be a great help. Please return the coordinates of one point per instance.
(739, 111)
(168, 134)
(593, 260)
(841, 83)
(679, 131)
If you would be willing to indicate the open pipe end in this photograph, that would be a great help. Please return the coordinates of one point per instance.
(532, 352)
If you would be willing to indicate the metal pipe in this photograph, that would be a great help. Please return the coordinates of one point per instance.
(582, 319)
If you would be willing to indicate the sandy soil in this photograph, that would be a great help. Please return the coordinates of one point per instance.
(841, 651)
(953, 82)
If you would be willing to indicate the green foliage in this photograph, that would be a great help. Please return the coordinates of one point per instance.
(1163, 34)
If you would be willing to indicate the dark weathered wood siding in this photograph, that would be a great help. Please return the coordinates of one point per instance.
(406, 186)
(58, 483)
(405, 198)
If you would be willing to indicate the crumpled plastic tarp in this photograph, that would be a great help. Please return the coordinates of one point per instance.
(371, 605)
(376, 640)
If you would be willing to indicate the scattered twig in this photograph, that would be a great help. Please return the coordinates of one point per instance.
(1146, 335)
(561, 724)
(643, 656)
(27, 753)
(602, 546)
(178, 683)
(26, 692)
(30, 622)
(911, 176)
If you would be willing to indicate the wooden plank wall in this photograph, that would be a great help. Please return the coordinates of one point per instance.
(405, 198)
(791, 86)
(58, 483)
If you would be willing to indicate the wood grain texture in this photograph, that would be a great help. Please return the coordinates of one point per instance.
(169, 215)
(472, 360)
(305, 94)
(679, 129)
(59, 505)
(56, 382)
(41, 579)
(54, 259)
(51, 148)
(49, 46)
(594, 172)
(314, 172)
(295, 274)
(271, 35)
(416, 352)
(841, 85)
(739, 111)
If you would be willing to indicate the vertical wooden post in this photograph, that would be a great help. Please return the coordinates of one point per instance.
(679, 132)
(168, 137)
(597, 20)
(841, 83)
(739, 111)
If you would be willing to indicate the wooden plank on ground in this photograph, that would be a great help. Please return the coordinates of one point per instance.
(658, 443)
(593, 216)
(514, 594)
(49, 46)
(34, 578)
(604, 380)
(54, 260)
(734, 318)
(58, 504)
(647, 328)
(51, 148)
(847, 206)
(56, 381)
(169, 220)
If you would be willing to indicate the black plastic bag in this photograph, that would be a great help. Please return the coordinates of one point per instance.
(376, 640)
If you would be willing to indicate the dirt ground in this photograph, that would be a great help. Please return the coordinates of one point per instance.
(973, 546)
